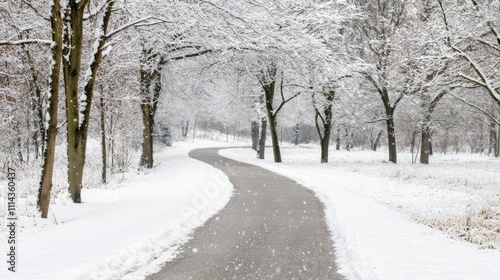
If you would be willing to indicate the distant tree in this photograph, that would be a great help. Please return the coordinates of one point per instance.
(324, 113)
(377, 31)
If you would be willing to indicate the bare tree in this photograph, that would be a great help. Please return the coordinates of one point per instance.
(381, 21)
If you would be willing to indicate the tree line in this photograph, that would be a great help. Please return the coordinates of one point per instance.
(338, 64)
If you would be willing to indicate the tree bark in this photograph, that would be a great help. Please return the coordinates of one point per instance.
(413, 140)
(325, 138)
(391, 139)
(236, 128)
(255, 134)
(262, 141)
(147, 137)
(492, 139)
(497, 146)
(112, 143)
(150, 93)
(376, 141)
(77, 127)
(194, 126)
(274, 137)
(19, 145)
(103, 139)
(347, 139)
(38, 126)
(73, 38)
(296, 135)
(185, 129)
(337, 140)
(37, 106)
(269, 89)
(49, 151)
(425, 146)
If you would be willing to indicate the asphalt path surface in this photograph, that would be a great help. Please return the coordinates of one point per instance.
(272, 228)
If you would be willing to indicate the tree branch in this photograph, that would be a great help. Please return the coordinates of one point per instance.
(284, 102)
(476, 107)
(119, 29)
(377, 120)
(28, 3)
(25, 42)
(401, 95)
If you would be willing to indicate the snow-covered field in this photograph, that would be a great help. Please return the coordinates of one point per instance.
(123, 231)
(402, 221)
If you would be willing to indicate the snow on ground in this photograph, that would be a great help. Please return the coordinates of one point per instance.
(378, 211)
(125, 231)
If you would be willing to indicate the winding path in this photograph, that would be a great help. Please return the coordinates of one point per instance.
(272, 228)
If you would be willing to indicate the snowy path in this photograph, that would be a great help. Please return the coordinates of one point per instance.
(271, 228)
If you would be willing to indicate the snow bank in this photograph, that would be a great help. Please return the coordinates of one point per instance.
(369, 212)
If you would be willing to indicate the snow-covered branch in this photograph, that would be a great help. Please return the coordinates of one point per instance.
(26, 42)
(139, 21)
(485, 81)
(482, 110)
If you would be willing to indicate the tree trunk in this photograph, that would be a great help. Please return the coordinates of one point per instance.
(262, 141)
(389, 108)
(236, 127)
(103, 139)
(337, 140)
(147, 136)
(431, 150)
(194, 127)
(37, 106)
(112, 143)
(324, 137)
(492, 139)
(49, 152)
(325, 145)
(347, 140)
(77, 158)
(77, 127)
(255, 134)
(391, 139)
(376, 141)
(327, 129)
(497, 146)
(413, 140)
(73, 50)
(274, 137)
(185, 129)
(19, 146)
(296, 135)
(269, 88)
(150, 93)
(36, 137)
(425, 146)
(28, 140)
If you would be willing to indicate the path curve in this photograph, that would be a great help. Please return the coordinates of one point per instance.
(272, 228)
